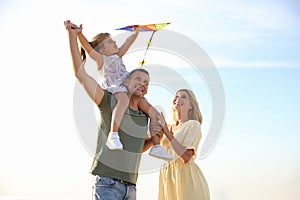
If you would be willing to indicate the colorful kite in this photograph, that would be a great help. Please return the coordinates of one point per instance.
(147, 27)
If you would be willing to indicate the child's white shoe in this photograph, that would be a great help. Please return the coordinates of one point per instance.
(159, 152)
(113, 142)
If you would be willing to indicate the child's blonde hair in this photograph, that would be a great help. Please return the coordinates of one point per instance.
(96, 43)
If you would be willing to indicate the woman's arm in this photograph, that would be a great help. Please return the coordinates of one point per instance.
(184, 153)
(129, 41)
(90, 85)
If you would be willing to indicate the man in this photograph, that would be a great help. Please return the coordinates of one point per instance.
(116, 171)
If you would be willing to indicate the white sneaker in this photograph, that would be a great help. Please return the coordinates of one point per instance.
(159, 152)
(113, 142)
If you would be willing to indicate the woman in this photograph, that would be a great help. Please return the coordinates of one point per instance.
(181, 178)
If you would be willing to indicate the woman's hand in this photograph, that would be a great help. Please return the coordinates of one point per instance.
(162, 121)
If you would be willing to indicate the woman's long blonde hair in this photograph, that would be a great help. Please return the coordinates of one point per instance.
(194, 113)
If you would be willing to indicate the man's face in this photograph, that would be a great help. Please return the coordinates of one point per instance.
(137, 84)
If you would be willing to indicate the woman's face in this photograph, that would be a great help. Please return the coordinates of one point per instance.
(181, 101)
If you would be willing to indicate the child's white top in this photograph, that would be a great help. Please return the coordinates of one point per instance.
(113, 74)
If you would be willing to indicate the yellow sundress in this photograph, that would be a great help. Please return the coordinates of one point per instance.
(178, 180)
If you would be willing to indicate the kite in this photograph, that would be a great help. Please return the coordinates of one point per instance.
(147, 27)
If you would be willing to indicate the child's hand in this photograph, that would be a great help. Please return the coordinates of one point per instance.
(72, 27)
(136, 30)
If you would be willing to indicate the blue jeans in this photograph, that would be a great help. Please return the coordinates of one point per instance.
(109, 189)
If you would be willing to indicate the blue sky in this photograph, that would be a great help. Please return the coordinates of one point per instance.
(254, 45)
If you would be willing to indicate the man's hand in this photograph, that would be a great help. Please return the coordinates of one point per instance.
(72, 27)
(155, 128)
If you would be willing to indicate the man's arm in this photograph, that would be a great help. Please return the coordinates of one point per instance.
(148, 143)
(90, 85)
(124, 48)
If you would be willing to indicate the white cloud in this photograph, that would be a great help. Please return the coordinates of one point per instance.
(225, 62)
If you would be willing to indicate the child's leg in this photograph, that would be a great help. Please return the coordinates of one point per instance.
(147, 108)
(157, 150)
(119, 110)
(113, 141)
(155, 139)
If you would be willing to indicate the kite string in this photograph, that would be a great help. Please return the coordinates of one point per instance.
(142, 63)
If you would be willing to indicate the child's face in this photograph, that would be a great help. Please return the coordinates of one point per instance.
(109, 47)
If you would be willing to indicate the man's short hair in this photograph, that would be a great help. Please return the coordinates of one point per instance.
(139, 70)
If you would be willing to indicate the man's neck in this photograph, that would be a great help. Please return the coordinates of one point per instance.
(134, 102)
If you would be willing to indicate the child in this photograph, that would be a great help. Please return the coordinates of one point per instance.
(104, 51)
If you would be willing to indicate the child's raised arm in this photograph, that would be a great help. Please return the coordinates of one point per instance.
(95, 55)
(124, 48)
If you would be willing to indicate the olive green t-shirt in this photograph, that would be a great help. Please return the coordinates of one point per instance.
(117, 164)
